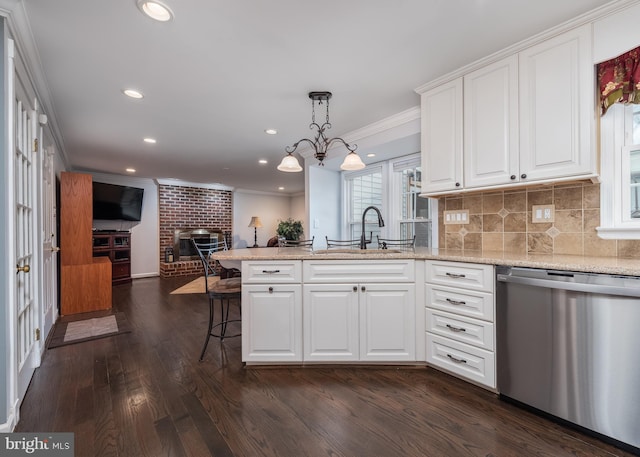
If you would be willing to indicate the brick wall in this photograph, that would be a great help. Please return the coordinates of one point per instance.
(190, 207)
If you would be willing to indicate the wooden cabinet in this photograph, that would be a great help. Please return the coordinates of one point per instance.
(85, 282)
(271, 311)
(528, 118)
(460, 310)
(359, 311)
(117, 247)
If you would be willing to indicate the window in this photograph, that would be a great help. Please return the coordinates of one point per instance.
(620, 170)
(414, 215)
(364, 189)
(394, 188)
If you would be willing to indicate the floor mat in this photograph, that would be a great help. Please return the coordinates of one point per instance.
(76, 329)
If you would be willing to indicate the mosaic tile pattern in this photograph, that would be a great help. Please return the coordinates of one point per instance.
(502, 221)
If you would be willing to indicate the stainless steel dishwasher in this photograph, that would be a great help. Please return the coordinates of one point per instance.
(568, 344)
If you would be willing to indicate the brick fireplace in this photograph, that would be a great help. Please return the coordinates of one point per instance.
(185, 209)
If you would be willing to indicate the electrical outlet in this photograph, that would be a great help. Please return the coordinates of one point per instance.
(460, 216)
(543, 213)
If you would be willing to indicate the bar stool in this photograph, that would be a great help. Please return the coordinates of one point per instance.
(222, 290)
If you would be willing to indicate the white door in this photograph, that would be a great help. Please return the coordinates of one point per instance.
(441, 122)
(49, 290)
(23, 122)
(272, 323)
(491, 124)
(557, 113)
(330, 322)
(387, 322)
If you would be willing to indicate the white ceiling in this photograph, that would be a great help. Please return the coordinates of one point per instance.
(222, 72)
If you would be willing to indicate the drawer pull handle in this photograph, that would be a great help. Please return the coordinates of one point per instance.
(456, 360)
(456, 302)
(270, 272)
(455, 275)
(456, 329)
(270, 290)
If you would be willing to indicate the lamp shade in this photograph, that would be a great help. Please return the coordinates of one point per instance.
(289, 164)
(255, 222)
(352, 162)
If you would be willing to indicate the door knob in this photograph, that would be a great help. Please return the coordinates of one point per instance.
(25, 269)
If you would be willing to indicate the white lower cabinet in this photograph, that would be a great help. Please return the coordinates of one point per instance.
(359, 322)
(349, 315)
(460, 310)
(272, 312)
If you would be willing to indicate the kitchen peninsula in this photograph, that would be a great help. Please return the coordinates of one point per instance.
(381, 307)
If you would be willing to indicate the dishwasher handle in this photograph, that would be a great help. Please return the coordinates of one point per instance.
(573, 286)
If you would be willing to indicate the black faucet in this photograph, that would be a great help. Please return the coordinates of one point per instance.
(363, 239)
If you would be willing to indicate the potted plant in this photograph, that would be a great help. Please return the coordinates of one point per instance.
(290, 229)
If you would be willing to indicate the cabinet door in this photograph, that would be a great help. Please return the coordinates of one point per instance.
(330, 322)
(272, 323)
(557, 113)
(441, 124)
(491, 124)
(387, 322)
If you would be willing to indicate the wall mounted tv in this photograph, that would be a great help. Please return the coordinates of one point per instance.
(113, 202)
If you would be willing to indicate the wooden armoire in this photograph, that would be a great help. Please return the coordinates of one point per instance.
(85, 281)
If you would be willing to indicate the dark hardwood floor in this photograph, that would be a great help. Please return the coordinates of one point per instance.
(145, 394)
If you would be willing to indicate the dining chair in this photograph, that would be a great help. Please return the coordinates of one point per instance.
(224, 291)
(348, 244)
(303, 244)
(405, 244)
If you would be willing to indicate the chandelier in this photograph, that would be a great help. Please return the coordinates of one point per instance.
(320, 144)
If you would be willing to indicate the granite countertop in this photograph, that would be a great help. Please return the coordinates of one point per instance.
(590, 264)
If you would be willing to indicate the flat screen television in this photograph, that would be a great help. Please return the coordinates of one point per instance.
(113, 202)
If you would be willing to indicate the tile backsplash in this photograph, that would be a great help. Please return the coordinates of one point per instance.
(502, 221)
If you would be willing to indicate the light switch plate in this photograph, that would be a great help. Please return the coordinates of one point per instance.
(543, 213)
(460, 216)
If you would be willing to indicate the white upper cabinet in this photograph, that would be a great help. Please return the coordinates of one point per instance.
(441, 123)
(491, 124)
(529, 117)
(557, 107)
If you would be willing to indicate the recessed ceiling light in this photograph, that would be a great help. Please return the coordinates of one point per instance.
(155, 10)
(131, 170)
(280, 188)
(150, 140)
(262, 161)
(270, 131)
(371, 154)
(132, 93)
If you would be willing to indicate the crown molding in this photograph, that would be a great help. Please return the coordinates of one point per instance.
(395, 126)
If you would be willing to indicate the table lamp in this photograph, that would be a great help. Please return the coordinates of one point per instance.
(255, 223)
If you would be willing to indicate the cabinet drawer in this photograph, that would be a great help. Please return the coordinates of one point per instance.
(463, 329)
(357, 271)
(466, 303)
(121, 270)
(271, 272)
(465, 275)
(467, 361)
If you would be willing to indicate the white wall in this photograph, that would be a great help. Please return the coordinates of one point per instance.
(270, 208)
(145, 242)
(325, 205)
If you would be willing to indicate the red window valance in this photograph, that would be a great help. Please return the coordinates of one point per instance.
(619, 80)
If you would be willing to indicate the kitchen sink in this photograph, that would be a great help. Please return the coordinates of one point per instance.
(358, 251)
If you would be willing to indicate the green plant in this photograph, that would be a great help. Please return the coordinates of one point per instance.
(290, 229)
